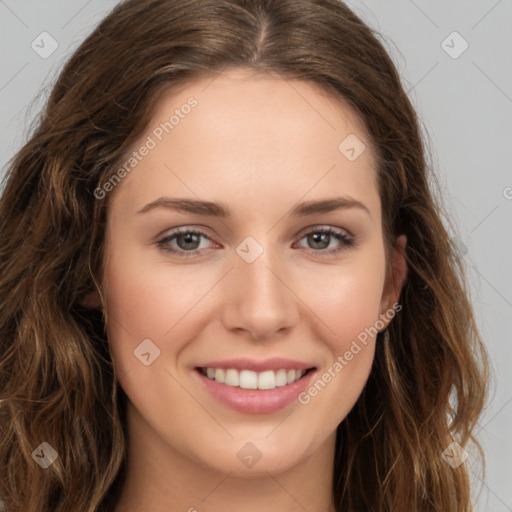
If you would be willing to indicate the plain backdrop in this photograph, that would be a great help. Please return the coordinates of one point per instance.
(455, 57)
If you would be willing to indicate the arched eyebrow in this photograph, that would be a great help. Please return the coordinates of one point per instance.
(215, 209)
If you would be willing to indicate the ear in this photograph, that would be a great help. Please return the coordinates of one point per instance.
(92, 300)
(394, 280)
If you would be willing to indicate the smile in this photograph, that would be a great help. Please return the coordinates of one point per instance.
(249, 379)
(260, 390)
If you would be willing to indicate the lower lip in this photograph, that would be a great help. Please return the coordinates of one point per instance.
(256, 401)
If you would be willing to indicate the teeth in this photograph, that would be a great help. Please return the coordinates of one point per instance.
(232, 378)
(281, 378)
(247, 379)
(267, 380)
(219, 375)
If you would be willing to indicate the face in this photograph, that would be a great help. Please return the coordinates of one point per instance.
(257, 287)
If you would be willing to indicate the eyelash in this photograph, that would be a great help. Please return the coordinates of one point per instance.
(347, 241)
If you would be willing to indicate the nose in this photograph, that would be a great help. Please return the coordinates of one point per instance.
(260, 299)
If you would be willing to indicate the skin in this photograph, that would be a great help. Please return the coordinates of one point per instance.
(259, 144)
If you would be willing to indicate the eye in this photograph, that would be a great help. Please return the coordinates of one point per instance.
(188, 241)
(321, 238)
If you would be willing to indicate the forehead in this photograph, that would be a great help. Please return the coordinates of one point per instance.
(252, 135)
(258, 106)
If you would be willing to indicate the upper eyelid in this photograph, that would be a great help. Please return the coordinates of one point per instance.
(319, 227)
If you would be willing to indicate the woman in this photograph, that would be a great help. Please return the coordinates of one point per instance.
(314, 349)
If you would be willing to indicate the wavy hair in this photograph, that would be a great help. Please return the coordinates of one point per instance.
(58, 384)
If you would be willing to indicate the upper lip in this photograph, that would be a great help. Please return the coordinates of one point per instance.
(275, 363)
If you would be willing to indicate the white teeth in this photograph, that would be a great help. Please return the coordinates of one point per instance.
(281, 378)
(248, 379)
(219, 375)
(267, 380)
(232, 378)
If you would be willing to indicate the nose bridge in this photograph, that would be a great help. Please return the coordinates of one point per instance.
(260, 300)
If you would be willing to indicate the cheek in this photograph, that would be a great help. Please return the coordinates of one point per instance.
(144, 301)
(148, 296)
(356, 308)
(168, 304)
(347, 298)
(348, 303)
(155, 300)
(149, 302)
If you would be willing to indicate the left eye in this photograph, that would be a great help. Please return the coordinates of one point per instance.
(322, 235)
(189, 240)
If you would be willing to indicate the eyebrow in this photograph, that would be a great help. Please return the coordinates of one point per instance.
(220, 210)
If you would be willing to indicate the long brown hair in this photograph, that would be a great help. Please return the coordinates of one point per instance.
(57, 381)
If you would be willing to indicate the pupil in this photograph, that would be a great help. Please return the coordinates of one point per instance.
(319, 238)
(189, 239)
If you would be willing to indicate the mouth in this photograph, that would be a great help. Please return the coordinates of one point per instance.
(249, 379)
(255, 392)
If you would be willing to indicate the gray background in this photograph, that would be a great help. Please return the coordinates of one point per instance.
(465, 104)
